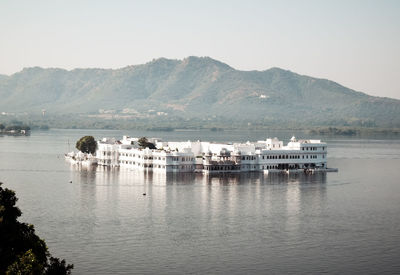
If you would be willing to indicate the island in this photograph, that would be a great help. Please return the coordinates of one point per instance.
(266, 156)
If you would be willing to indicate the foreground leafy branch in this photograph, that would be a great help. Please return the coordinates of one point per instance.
(21, 250)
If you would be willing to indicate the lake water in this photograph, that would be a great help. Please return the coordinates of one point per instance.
(345, 222)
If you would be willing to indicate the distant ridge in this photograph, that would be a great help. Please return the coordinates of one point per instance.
(195, 87)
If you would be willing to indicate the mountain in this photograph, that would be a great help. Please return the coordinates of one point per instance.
(195, 87)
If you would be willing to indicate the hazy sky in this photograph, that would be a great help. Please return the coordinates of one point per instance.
(355, 43)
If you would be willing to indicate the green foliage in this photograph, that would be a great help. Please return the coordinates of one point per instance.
(87, 144)
(334, 131)
(26, 264)
(144, 143)
(57, 267)
(192, 88)
(21, 250)
(16, 238)
(354, 131)
(8, 211)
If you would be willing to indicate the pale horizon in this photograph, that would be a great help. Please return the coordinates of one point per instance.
(353, 43)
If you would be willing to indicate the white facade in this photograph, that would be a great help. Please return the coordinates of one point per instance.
(267, 155)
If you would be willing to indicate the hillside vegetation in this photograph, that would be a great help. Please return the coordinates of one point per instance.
(195, 88)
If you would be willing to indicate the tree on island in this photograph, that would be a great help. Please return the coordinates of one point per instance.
(144, 143)
(21, 250)
(87, 144)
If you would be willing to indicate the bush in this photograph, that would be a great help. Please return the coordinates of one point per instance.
(87, 144)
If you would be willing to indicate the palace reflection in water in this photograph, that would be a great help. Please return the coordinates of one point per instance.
(198, 200)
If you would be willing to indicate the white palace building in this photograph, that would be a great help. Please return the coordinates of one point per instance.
(266, 156)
